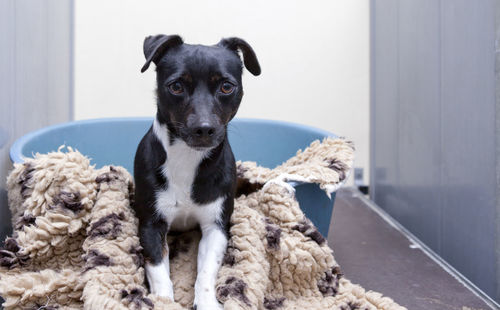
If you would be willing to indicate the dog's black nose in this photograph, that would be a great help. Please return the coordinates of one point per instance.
(204, 130)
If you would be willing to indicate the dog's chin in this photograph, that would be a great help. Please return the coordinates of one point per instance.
(202, 146)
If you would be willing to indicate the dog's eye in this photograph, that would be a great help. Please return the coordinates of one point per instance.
(227, 87)
(176, 88)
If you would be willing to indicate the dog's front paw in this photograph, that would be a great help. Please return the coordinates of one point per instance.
(207, 303)
(164, 293)
(163, 289)
(159, 280)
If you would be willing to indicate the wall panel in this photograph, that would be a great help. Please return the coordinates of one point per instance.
(433, 99)
(36, 75)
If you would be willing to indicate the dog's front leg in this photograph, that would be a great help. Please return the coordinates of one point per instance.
(210, 254)
(155, 248)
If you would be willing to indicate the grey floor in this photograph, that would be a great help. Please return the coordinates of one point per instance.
(378, 257)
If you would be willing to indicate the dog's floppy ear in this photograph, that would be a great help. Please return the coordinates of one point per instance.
(156, 46)
(249, 57)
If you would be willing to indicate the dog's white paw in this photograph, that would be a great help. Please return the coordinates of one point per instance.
(163, 290)
(159, 280)
(207, 302)
(161, 287)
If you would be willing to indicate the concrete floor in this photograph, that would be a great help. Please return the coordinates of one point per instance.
(378, 257)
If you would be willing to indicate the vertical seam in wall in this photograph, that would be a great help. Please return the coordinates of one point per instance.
(371, 67)
(48, 121)
(71, 99)
(497, 141)
(15, 104)
(441, 159)
(398, 96)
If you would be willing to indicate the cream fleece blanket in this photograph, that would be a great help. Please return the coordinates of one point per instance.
(75, 242)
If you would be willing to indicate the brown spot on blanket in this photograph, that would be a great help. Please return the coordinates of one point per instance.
(136, 297)
(10, 256)
(68, 200)
(272, 304)
(273, 234)
(234, 287)
(131, 192)
(352, 306)
(136, 252)
(107, 226)
(94, 259)
(339, 166)
(328, 285)
(108, 176)
(240, 171)
(229, 258)
(25, 220)
(25, 179)
(307, 228)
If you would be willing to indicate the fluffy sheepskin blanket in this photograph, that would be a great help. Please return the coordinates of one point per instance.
(75, 242)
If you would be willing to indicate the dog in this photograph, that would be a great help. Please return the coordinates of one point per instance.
(184, 168)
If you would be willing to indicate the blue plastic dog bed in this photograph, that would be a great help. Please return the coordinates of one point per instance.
(113, 141)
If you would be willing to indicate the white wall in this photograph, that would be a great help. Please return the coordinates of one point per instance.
(314, 57)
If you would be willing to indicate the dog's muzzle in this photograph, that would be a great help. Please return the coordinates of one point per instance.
(204, 135)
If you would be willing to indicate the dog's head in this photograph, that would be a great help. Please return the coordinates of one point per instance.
(199, 87)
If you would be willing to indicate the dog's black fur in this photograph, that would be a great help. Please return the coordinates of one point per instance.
(199, 116)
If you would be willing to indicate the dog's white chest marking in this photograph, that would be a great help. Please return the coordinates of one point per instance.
(180, 168)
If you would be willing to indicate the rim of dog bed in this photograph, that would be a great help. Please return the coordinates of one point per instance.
(16, 150)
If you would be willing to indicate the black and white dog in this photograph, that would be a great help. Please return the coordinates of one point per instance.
(184, 168)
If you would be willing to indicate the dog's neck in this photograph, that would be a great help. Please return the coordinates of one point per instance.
(182, 161)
